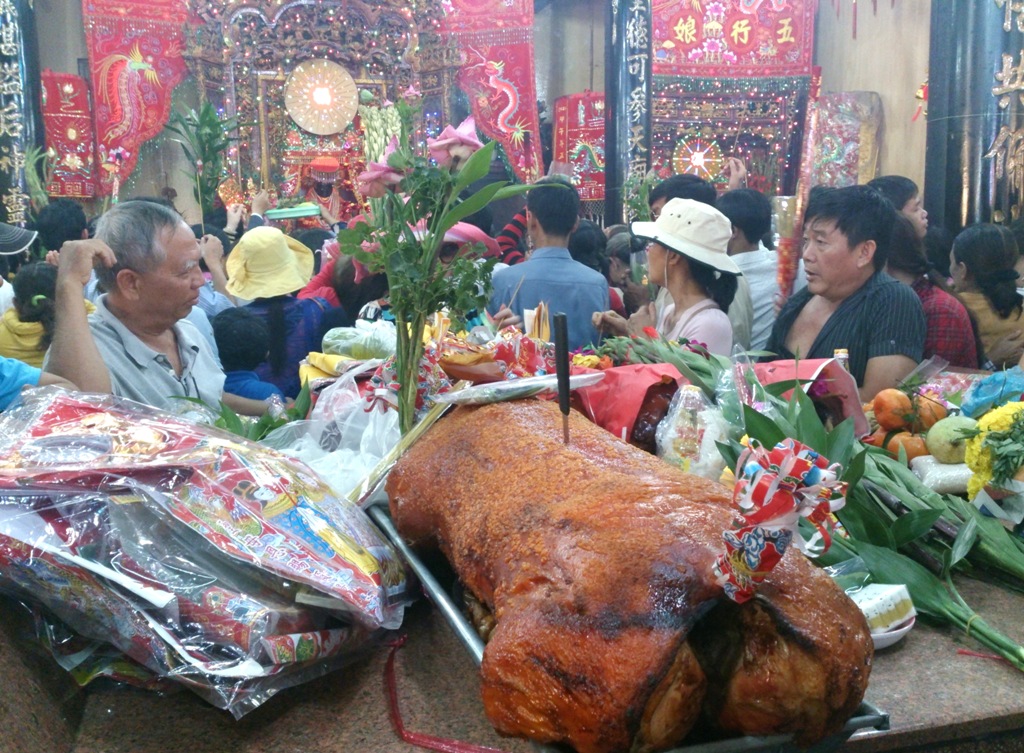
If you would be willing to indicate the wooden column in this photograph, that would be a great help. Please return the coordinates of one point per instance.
(627, 99)
(21, 119)
(974, 169)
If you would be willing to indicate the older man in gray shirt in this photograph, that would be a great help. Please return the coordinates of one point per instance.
(137, 344)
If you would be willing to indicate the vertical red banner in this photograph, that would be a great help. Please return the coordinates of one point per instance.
(495, 38)
(579, 141)
(135, 61)
(70, 138)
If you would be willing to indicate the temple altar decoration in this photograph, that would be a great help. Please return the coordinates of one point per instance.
(730, 79)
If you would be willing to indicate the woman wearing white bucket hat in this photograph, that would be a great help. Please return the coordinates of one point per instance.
(688, 256)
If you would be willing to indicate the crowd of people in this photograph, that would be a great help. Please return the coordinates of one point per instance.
(140, 304)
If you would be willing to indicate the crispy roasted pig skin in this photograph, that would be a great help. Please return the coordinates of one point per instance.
(596, 559)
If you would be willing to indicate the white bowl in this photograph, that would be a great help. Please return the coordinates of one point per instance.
(889, 637)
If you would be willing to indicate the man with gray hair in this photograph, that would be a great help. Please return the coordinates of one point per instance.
(136, 344)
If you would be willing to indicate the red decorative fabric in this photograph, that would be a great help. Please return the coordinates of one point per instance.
(495, 38)
(68, 124)
(579, 141)
(486, 15)
(135, 61)
(733, 38)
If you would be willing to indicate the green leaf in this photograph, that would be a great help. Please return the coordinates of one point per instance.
(778, 389)
(913, 525)
(965, 541)
(855, 470)
(928, 593)
(730, 452)
(860, 516)
(811, 430)
(841, 443)
(475, 168)
(473, 204)
(761, 428)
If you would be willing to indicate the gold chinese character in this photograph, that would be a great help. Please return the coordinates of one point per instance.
(10, 121)
(1011, 8)
(16, 203)
(8, 40)
(12, 160)
(741, 32)
(1010, 78)
(1008, 152)
(784, 34)
(10, 79)
(686, 31)
(7, 9)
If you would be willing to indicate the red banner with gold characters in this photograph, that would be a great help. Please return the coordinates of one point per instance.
(495, 39)
(135, 61)
(579, 141)
(70, 139)
(726, 38)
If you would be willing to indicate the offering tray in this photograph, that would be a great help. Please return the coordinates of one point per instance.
(866, 717)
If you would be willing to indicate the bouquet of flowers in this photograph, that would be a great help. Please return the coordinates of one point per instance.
(415, 193)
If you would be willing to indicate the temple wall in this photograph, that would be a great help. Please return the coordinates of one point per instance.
(889, 56)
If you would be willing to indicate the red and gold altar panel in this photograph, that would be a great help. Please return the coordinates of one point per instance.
(731, 79)
(733, 37)
(69, 135)
(135, 61)
(579, 141)
(495, 38)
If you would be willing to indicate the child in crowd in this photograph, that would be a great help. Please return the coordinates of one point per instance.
(26, 328)
(244, 343)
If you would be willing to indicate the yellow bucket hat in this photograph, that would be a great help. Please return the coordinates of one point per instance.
(266, 263)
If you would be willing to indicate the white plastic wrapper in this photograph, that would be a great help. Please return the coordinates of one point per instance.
(944, 478)
(687, 435)
(345, 437)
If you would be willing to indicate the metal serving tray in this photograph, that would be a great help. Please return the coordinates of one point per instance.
(866, 717)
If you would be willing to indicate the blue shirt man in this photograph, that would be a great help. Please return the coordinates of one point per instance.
(550, 274)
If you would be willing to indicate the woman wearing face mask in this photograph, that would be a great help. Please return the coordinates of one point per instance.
(687, 255)
(982, 267)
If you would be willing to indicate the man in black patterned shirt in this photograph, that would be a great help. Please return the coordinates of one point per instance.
(849, 301)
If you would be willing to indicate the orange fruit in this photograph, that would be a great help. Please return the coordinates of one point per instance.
(877, 439)
(893, 409)
(913, 445)
(928, 410)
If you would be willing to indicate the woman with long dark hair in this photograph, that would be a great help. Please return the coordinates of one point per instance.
(951, 334)
(982, 267)
(268, 268)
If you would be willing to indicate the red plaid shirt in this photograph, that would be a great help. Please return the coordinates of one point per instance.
(950, 334)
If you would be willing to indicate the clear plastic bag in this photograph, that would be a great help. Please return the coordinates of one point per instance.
(209, 560)
(687, 435)
(364, 341)
(345, 436)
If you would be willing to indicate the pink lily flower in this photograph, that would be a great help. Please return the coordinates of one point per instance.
(379, 177)
(455, 145)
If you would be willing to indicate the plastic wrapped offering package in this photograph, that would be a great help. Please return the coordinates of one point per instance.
(204, 558)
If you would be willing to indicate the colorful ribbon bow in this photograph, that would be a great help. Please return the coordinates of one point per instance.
(774, 489)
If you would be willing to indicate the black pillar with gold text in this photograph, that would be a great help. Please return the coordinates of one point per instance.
(627, 99)
(21, 120)
(974, 166)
